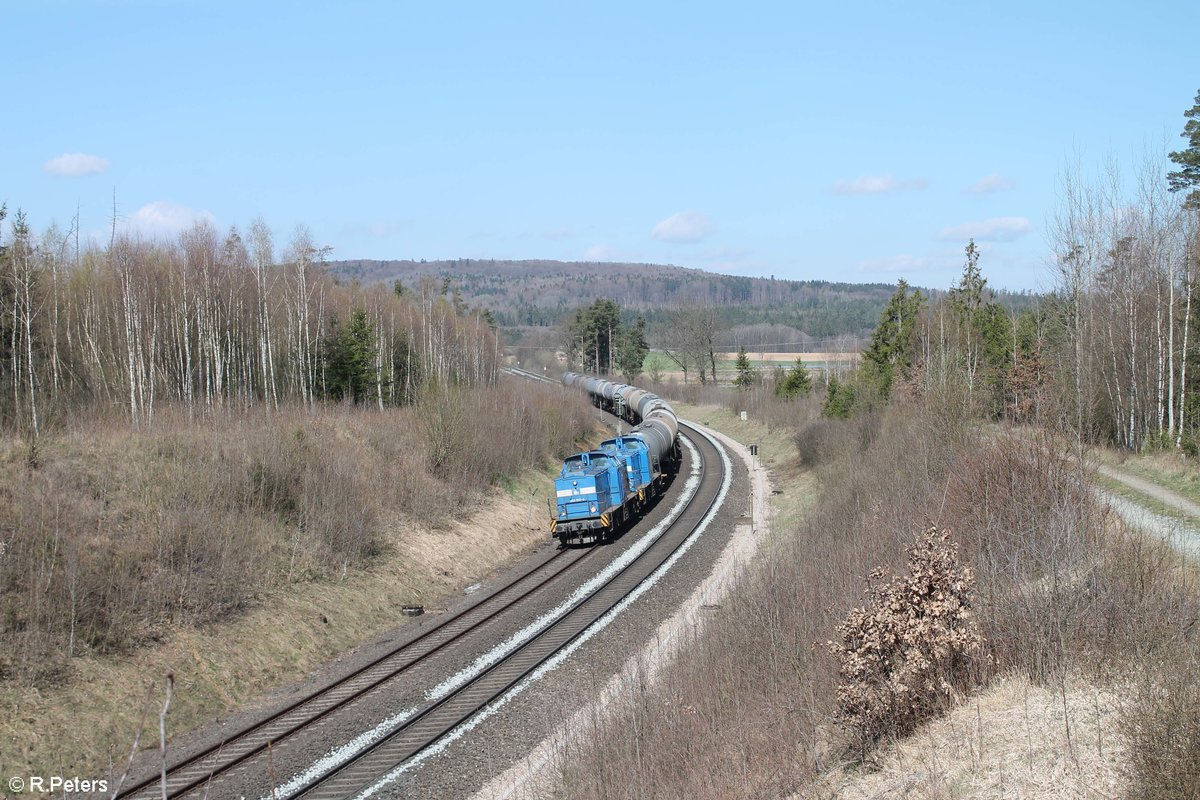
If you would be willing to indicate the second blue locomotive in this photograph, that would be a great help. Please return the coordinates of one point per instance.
(599, 490)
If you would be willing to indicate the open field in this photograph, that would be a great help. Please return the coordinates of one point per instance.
(765, 359)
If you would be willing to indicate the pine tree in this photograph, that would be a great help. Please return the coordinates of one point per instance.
(839, 399)
(985, 333)
(350, 358)
(796, 382)
(1187, 177)
(593, 335)
(745, 372)
(632, 350)
(893, 344)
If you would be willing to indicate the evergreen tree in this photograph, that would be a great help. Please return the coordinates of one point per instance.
(893, 344)
(593, 334)
(796, 382)
(985, 332)
(632, 350)
(745, 372)
(1187, 177)
(839, 399)
(350, 358)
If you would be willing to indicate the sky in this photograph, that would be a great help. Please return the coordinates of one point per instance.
(853, 141)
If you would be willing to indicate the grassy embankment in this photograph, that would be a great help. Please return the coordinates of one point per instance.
(1085, 685)
(242, 554)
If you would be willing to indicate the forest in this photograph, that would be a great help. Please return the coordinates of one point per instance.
(215, 323)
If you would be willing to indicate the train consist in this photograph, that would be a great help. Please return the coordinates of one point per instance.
(598, 491)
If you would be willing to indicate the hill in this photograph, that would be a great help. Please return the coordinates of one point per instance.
(535, 293)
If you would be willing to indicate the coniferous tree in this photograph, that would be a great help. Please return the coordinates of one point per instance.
(745, 372)
(593, 335)
(350, 358)
(795, 383)
(1187, 177)
(839, 399)
(893, 345)
(632, 350)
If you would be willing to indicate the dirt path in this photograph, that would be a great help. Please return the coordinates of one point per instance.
(1183, 535)
(1167, 497)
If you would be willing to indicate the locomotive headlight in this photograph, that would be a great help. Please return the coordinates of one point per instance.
(562, 511)
(592, 507)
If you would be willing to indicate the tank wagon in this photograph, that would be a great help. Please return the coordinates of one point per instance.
(600, 490)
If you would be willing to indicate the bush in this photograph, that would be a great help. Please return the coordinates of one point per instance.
(839, 399)
(1162, 728)
(902, 657)
(815, 440)
(119, 537)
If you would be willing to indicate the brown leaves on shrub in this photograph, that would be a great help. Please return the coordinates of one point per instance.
(902, 657)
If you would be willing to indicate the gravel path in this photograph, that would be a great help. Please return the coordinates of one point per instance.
(1181, 535)
(1170, 499)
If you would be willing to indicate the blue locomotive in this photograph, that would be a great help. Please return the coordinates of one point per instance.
(599, 490)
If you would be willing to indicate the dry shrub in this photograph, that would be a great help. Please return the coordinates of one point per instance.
(118, 537)
(1162, 728)
(747, 704)
(903, 657)
(816, 440)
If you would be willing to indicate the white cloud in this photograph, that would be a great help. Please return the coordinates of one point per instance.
(878, 184)
(996, 229)
(164, 218)
(991, 183)
(684, 227)
(75, 165)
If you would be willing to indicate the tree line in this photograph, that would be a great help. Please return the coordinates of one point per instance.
(1111, 353)
(215, 323)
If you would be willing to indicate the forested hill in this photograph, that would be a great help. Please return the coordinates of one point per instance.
(539, 293)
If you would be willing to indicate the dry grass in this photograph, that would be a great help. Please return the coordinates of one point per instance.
(1162, 726)
(1014, 740)
(76, 727)
(1068, 601)
(1169, 469)
(218, 551)
(117, 538)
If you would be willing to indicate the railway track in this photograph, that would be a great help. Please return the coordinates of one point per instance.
(199, 769)
(386, 760)
(402, 748)
(533, 376)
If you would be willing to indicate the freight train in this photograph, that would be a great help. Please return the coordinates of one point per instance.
(598, 491)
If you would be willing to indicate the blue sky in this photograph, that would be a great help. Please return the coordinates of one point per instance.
(839, 141)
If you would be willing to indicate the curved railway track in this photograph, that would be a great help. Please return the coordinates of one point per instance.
(392, 754)
(386, 760)
(199, 769)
